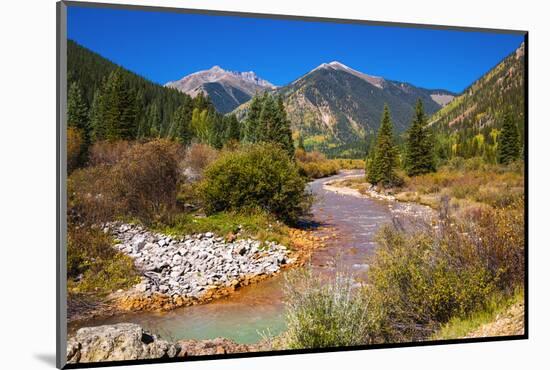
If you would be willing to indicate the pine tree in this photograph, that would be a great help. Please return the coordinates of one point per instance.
(419, 155)
(283, 134)
(97, 123)
(384, 162)
(153, 120)
(233, 128)
(181, 124)
(77, 119)
(509, 148)
(142, 127)
(216, 130)
(118, 108)
(267, 121)
(77, 111)
(251, 130)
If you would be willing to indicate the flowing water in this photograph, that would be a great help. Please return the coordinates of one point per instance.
(259, 308)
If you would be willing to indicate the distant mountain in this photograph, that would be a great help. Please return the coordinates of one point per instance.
(482, 105)
(226, 89)
(334, 105)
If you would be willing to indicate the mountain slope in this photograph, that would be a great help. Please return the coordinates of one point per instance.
(470, 125)
(89, 69)
(335, 105)
(483, 103)
(226, 89)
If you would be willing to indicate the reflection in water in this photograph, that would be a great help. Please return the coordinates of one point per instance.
(258, 308)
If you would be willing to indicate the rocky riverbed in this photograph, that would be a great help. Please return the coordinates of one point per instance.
(191, 269)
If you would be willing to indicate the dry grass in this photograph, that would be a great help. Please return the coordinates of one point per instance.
(315, 165)
(495, 186)
(108, 152)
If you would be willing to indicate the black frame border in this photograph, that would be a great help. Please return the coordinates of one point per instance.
(61, 71)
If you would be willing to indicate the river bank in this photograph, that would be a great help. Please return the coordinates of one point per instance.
(194, 269)
(352, 184)
(342, 233)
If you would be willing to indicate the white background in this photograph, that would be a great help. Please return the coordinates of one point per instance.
(27, 181)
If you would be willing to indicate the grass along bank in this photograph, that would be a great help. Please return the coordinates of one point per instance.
(502, 316)
(458, 279)
(315, 165)
(464, 185)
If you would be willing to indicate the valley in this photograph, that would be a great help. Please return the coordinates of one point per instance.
(220, 213)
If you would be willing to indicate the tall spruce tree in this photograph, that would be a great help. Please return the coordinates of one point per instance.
(419, 154)
(381, 169)
(118, 108)
(252, 121)
(216, 130)
(509, 146)
(233, 128)
(77, 111)
(267, 121)
(77, 118)
(180, 129)
(97, 124)
(282, 132)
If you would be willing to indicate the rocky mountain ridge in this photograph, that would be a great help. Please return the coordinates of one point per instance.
(227, 89)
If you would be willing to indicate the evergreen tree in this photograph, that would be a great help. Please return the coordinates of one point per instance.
(419, 154)
(153, 121)
(142, 127)
(283, 132)
(216, 130)
(77, 110)
(250, 134)
(181, 124)
(233, 128)
(267, 121)
(381, 168)
(118, 108)
(97, 124)
(509, 148)
(77, 118)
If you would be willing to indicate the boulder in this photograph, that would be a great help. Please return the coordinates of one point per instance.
(117, 343)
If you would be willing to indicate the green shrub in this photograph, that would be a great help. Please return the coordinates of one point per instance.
(321, 313)
(258, 177)
(94, 266)
(422, 281)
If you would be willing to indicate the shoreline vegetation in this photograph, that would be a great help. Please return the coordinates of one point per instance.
(172, 200)
(103, 280)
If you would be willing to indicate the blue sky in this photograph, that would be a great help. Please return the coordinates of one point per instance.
(167, 46)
